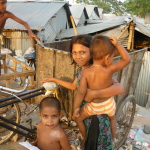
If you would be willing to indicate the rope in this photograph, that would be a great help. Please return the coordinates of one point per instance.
(55, 92)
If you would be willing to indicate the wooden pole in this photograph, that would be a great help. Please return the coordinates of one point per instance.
(130, 36)
(123, 32)
(133, 24)
(73, 24)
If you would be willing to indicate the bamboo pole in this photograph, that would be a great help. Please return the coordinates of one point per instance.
(133, 36)
(130, 36)
(73, 24)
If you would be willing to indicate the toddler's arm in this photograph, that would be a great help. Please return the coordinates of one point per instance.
(25, 24)
(68, 85)
(124, 55)
(113, 90)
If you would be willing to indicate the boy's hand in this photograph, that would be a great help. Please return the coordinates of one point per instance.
(47, 80)
(33, 36)
(76, 112)
(114, 40)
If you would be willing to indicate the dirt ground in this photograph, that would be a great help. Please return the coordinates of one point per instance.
(141, 118)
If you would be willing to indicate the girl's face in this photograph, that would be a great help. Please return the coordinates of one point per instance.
(81, 54)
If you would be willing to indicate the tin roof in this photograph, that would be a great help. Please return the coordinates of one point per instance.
(76, 11)
(91, 28)
(90, 9)
(142, 28)
(36, 14)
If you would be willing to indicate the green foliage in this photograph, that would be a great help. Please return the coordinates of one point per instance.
(137, 7)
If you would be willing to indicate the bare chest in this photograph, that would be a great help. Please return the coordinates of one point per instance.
(48, 141)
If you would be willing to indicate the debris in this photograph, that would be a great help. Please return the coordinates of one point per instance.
(28, 145)
(146, 129)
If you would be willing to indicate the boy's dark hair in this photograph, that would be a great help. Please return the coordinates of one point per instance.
(84, 40)
(100, 47)
(50, 102)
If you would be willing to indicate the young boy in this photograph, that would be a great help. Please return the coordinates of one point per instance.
(50, 135)
(4, 15)
(99, 76)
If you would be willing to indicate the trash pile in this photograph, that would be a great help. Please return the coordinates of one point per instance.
(72, 131)
(138, 139)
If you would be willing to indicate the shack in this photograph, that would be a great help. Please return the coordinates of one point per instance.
(93, 14)
(79, 14)
(46, 21)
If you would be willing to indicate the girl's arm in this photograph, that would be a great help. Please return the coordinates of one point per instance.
(113, 90)
(68, 85)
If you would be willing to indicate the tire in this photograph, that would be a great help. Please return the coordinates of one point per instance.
(12, 113)
(124, 118)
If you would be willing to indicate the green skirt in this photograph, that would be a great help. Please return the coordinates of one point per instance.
(102, 134)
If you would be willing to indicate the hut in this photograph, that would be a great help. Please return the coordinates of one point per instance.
(93, 28)
(79, 14)
(93, 14)
(46, 21)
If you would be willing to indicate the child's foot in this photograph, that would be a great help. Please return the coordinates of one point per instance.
(83, 142)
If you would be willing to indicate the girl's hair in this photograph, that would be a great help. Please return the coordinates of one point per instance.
(100, 47)
(84, 40)
(50, 102)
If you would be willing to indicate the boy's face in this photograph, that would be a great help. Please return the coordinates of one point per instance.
(3, 6)
(50, 117)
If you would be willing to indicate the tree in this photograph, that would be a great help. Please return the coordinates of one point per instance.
(137, 7)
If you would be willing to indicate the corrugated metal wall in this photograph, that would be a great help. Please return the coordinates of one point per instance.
(14, 42)
(142, 92)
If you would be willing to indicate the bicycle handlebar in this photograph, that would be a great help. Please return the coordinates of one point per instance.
(12, 90)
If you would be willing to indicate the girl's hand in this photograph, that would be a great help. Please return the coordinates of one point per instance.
(47, 80)
(89, 95)
(114, 40)
(76, 112)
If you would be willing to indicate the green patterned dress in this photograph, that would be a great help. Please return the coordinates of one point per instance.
(101, 135)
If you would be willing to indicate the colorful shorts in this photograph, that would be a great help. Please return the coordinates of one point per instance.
(107, 107)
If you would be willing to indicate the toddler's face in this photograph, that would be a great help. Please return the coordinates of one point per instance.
(3, 5)
(50, 117)
(109, 59)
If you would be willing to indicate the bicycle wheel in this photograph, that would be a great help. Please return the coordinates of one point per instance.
(124, 117)
(11, 112)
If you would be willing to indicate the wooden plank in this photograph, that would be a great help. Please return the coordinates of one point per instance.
(18, 74)
(45, 64)
(65, 71)
(136, 72)
(19, 62)
(14, 65)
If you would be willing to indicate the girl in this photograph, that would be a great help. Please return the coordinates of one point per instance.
(98, 126)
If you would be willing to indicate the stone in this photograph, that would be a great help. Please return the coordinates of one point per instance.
(146, 129)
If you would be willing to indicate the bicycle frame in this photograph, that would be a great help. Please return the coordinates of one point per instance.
(10, 101)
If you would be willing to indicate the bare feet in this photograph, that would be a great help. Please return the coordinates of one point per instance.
(83, 142)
